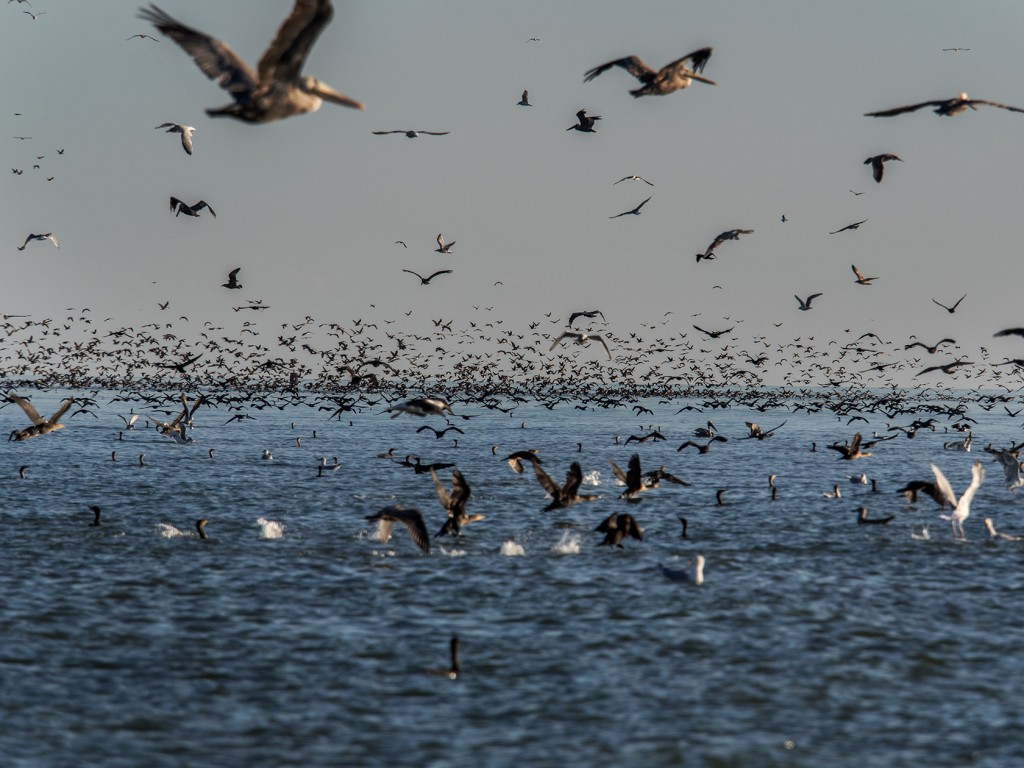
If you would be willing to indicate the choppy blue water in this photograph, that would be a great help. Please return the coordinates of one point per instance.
(813, 641)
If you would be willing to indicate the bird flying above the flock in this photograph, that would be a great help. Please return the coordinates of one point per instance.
(713, 334)
(945, 107)
(586, 122)
(855, 225)
(672, 77)
(184, 130)
(634, 211)
(190, 210)
(582, 339)
(233, 279)
(861, 280)
(877, 164)
(426, 280)
(277, 89)
(45, 236)
(805, 304)
(729, 234)
(412, 134)
(952, 309)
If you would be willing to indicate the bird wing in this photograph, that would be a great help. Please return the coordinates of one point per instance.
(213, 57)
(233, 274)
(977, 475)
(943, 486)
(688, 65)
(857, 273)
(812, 297)
(546, 482)
(384, 133)
(617, 470)
(186, 139)
(995, 104)
(633, 482)
(413, 273)
(442, 494)
(908, 108)
(573, 479)
(460, 490)
(632, 64)
(203, 204)
(604, 344)
(60, 411)
(287, 53)
(29, 409)
(439, 272)
(557, 341)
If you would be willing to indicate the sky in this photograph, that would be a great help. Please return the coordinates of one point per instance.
(310, 207)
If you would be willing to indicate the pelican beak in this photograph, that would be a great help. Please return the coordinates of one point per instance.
(695, 76)
(327, 93)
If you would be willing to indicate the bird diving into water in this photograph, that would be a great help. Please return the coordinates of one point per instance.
(672, 77)
(277, 89)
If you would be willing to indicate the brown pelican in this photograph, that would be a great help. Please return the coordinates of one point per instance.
(634, 211)
(190, 210)
(583, 339)
(276, 89)
(232, 278)
(563, 495)
(426, 280)
(670, 78)
(46, 236)
(454, 502)
(851, 451)
(184, 130)
(805, 304)
(944, 107)
(412, 134)
(410, 518)
(422, 406)
(730, 234)
(877, 166)
(40, 426)
(861, 280)
(586, 122)
(515, 460)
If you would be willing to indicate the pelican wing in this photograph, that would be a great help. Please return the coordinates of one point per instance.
(29, 409)
(690, 63)
(287, 53)
(901, 110)
(943, 486)
(632, 64)
(460, 490)
(573, 479)
(995, 104)
(60, 411)
(213, 57)
(410, 518)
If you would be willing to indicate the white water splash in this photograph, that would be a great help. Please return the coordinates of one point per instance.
(569, 544)
(512, 548)
(270, 529)
(592, 478)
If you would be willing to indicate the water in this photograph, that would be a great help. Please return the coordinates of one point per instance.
(292, 636)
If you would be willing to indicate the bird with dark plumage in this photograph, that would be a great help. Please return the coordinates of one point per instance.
(674, 76)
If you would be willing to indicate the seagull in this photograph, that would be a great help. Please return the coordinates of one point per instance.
(586, 122)
(634, 212)
(876, 164)
(276, 89)
(426, 280)
(1011, 468)
(961, 508)
(952, 309)
(582, 339)
(442, 246)
(232, 278)
(695, 576)
(412, 134)
(633, 178)
(423, 406)
(944, 107)
(46, 236)
(190, 210)
(184, 130)
(861, 280)
(729, 234)
(805, 304)
(855, 225)
(525, 100)
(144, 37)
(40, 426)
(672, 77)
(410, 518)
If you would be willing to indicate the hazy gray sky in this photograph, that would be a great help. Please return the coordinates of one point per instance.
(310, 207)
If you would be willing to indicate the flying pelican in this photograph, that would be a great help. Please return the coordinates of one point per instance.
(563, 495)
(672, 77)
(46, 236)
(634, 212)
(276, 89)
(412, 134)
(805, 304)
(454, 502)
(586, 122)
(729, 234)
(944, 107)
(583, 339)
(851, 451)
(190, 210)
(184, 130)
(410, 518)
(426, 280)
(40, 426)
(876, 164)
(861, 280)
(961, 508)
(442, 246)
(232, 278)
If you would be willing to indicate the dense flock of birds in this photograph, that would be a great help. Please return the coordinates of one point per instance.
(346, 366)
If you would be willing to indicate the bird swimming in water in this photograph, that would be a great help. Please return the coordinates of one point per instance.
(277, 89)
(410, 518)
(694, 576)
(452, 672)
(674, 76)
(96, 516)
(201, 527)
